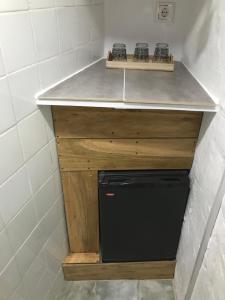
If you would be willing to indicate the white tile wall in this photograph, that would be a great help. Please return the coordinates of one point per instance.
(65, 2)
(210, 283)
(68, 29)
(34, 4)
(13, 5)
(1, 223)
(204, 19)
(45, 197)
(20, 293)
(32, 143)
(9, 280)
(21, 226)
(206, 176)
(17, 41)
(7, 117)
(50, 71)
(68, 62)
(11, 150)
(40, 43)
(46, 35)
(6, 251)
(2, 68)
(10, 202)
(24, 85)
(40, 167)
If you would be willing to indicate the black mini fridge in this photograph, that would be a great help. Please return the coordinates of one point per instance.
(141, 214)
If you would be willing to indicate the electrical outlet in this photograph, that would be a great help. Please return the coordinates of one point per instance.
(165, 12)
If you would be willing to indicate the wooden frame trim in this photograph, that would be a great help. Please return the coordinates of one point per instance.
(119, 271)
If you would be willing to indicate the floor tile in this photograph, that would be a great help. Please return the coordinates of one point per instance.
(116, 290)
(155, 290)
(120, 290)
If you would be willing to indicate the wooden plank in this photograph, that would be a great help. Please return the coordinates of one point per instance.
(122, 154)
(72, 122)
(116, 271)
(131, 64)
(81, 204)
(82, 258)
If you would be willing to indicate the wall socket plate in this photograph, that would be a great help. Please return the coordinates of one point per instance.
(165, 11)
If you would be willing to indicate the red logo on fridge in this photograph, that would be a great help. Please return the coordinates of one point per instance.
(110, 194)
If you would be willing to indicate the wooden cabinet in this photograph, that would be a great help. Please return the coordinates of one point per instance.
(81, 204)
(90, 140)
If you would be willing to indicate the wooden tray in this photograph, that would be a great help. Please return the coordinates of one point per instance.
(138, 65)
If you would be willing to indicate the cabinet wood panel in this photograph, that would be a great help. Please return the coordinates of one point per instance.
(122, 154)
(110, 123)
(81, 204)
(116, 271)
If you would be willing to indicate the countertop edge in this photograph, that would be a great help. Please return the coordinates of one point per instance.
(125, 105)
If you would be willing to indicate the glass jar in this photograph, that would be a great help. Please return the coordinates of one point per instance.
(119, 51)
(141, 51)
(161, 51)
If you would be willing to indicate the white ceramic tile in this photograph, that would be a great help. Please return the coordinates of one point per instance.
(13, 5)
(60, 208)
(50, 72)
(59, 287)
(33, 134)
(50, 221)
(2, 68)
(47, 115)
(96, 20)
(54, 155)
(45, 32)
(27, 253)
(64, 2)
(9, 280)
(68, 63)
(17, 41)
(56, 249)
(7, 118)
(40, 290)
(67, 27)
(1, 223)
(45, 197)
(20, 293)
(97, 50)
(40, 167)
(84, 33)
(6, 251)
(34, 274)
(14, 194)
(83, 2)
(21, 226)
(11, 151)
(84, 57)
(24, 85)
(33, 4)
(97, 1)
(58, 184)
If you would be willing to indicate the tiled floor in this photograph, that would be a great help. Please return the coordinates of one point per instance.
(120, 290)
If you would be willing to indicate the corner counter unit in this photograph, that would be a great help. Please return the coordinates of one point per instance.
(155, 125)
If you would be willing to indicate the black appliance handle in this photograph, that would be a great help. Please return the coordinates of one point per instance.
(118, 181)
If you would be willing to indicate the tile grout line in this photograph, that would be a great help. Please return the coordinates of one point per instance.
(33, 230)
(206, 238)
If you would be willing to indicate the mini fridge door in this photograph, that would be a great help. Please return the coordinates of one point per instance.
(141, 214)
